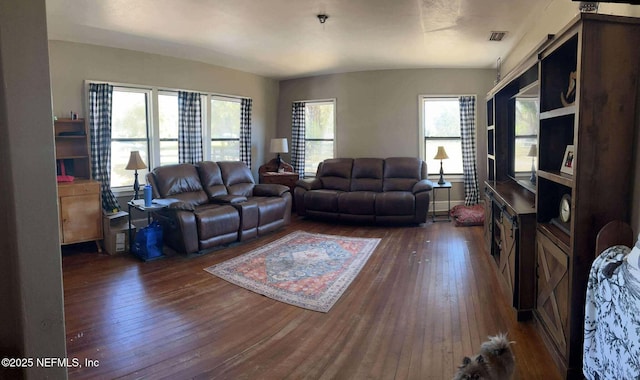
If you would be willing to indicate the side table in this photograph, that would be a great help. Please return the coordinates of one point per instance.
(138, 204)
(437, 186)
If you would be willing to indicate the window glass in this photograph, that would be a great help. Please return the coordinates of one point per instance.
(441, 118)
(168, 131)
(225, 129)
(319, 134)
(129, 126)
(526, 130)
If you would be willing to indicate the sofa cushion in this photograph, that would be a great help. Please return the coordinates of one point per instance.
(401, 173)
(211, 178)
(181, 182)
(366, 174)
(395, 203)
(215, 221)
(357, 203)
(237, 178)
(335, 174)
(322, 200)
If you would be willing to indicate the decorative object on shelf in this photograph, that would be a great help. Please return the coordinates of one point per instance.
(135, 163)
(564, 214)
(569, 161)
(278, 146)
(441, 155)
(533, 153)
(570, 97)
(498, 70)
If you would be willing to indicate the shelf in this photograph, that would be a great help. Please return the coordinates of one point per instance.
(564, 111)
(491, 127)
(71, 157)
(65, 137)
(557, 177)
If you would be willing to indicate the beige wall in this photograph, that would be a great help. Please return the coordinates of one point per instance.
(554, 18)
(377, 111)
(72, 63)
(32, 317)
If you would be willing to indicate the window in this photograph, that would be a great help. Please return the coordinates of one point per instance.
(168, 123)
(319, 134)
(129, 131)
(225, 129)
(526, 133)
(441, 127)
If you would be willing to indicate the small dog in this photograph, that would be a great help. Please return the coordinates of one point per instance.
(495, 361)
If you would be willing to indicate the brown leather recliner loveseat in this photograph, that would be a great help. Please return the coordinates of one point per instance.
(216, 203)
(372, 190)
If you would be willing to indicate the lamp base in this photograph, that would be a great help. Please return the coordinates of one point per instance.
(136, 186)
(441, 181)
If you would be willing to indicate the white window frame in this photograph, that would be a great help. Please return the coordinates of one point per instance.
(433, 173)
(333, 102)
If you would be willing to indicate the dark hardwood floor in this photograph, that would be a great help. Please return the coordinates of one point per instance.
(427, 297)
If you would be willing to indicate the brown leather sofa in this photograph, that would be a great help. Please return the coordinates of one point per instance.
(370, 190)
(216, 203)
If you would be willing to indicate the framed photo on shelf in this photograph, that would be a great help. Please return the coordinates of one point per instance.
(569, 160)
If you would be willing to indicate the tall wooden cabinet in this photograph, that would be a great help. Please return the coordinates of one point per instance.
(602, 53)
(79, 201)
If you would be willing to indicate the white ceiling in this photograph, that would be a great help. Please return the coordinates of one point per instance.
(284, 39)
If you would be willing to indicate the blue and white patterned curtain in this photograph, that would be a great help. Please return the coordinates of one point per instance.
(245, 131)
(100, 97)
(189, 127)
(298, 137)
(468, 139)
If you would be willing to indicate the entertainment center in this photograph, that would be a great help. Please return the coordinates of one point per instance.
(541, 228)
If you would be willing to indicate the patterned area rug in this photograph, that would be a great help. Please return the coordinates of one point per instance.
(302, 269)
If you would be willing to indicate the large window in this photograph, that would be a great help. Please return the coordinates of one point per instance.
(526, 133)
(441, 127)
(129, 131)
(319, 134)
(225, 129)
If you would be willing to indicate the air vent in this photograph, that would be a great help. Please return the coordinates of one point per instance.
(497, 36)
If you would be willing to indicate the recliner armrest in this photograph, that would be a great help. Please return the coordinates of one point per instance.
(269, 190)
(309, 183)
(228, 199)
(422, 185)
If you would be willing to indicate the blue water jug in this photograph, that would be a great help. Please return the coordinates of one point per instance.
(147, 196)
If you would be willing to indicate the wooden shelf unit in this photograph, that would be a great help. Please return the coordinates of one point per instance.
(79, 201)
(604, 52)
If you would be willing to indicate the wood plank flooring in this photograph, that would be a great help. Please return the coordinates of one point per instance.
(427, 297)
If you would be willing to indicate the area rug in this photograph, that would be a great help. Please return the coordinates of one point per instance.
(302, 269)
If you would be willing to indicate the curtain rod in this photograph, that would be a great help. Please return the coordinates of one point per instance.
(158, 88)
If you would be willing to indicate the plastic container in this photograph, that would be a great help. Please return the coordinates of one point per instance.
(147, 196)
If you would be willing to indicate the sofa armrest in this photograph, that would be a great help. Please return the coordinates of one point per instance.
(422, 185)
(269, 190)
(179, 205)
(228, 199)
(309, 183)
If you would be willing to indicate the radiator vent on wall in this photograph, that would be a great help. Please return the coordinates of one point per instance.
(497, 36)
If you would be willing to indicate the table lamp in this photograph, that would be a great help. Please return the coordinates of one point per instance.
(441, 155)
(278, 146)
(135, 163)
(533, 153)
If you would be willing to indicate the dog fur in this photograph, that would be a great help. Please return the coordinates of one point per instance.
(495, 361)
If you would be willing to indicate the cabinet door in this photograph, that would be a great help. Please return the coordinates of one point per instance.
(553, 290)
(508, 254)
(488, 223)
(80, 218)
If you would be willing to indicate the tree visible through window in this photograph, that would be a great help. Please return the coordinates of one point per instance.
(129, 131)
(225, 129)
(441, 126)
(168, 123)
(526, 132)
(319, 134)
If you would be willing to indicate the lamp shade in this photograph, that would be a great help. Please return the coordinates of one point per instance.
(533, 151)
(441, 155)
(279, 146)
(135, 161)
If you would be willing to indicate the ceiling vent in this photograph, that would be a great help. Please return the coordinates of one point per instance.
(497, 36)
